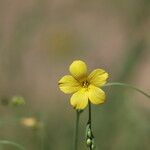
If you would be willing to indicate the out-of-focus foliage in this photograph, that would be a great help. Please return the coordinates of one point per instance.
(17, 101)
(39, 39)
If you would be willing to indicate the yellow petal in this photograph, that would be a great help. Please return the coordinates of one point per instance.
(69, 84)
(79, 100)
(98, 77)
(78, 69)
(96, 95)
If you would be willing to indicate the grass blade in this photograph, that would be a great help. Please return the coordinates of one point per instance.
(5, 142)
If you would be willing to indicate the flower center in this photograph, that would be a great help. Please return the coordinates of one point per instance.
(85, 84)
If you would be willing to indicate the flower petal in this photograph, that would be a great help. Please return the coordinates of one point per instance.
(69, 84)
(96, 95)
(78, 69)
(79, 100)
(98, 77)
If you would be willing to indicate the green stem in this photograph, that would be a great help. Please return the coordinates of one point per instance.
(126, 85)
(90, 120)
(76, 130)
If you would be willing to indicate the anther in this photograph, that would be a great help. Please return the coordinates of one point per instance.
(85, 84)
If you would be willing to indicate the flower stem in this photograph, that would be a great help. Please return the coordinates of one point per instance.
(127, 85)
(75, 146)
(90, 121)
(90, 142)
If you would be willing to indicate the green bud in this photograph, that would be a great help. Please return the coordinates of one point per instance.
(88, 142)
(17, 101)
(89, 133)
(93, 146)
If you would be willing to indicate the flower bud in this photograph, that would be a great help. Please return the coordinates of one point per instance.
(89, 133)
(93, 146)
(88, 142)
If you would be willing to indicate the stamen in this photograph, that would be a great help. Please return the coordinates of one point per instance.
(85, 84)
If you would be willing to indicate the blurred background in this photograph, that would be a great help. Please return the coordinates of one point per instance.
(38, 41)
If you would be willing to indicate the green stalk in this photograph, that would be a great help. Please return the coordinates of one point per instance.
(75, 145)
(89, 134)
(128, 86)
(90, 120)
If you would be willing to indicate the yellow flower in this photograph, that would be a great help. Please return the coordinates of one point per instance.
(85, 87)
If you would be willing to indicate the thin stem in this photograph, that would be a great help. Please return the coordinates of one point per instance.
(75, 146)
(90, 120)
(126, 85)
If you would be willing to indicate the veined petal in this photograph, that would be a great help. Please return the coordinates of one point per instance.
(78, 69)
(96, 95)
(79, 100)
(98, 77)
(69, 84)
